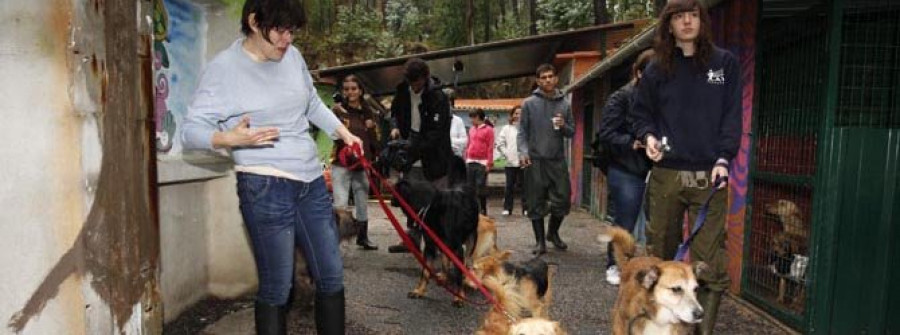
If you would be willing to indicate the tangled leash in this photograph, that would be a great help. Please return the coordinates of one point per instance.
(344, 156)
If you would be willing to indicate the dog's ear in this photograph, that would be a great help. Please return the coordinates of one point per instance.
(648, 277)
(699, 267)
(504, 255)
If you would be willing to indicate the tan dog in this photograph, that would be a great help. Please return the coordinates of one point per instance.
(787, 245)
(655, 296)
(486, 242)
(530, 281)
(304, 289)
(515, 304)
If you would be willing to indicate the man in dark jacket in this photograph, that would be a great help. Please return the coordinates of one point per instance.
(420, 113)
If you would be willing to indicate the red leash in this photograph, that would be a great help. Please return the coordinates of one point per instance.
(355, 150)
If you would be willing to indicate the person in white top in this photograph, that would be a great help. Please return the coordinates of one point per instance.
(508, 148)
(458, 136)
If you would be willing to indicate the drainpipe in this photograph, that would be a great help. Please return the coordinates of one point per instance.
(641, 41)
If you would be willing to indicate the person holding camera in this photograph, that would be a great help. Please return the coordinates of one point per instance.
(360, 120)
(691, 95)
(628, 165)
(420, 113)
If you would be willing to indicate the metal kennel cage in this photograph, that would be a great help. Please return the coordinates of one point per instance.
(824, 205)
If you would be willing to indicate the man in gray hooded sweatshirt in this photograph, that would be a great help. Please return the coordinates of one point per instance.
(546, 119)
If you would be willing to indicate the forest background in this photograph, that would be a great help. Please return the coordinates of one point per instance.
(341, 32)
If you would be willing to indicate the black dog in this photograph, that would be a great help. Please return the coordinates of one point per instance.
(453, 216)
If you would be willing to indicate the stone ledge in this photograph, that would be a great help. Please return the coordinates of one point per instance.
(191, 167)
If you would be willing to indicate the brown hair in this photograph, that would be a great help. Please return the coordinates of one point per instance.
(352, 78)
(665, 42)
(513, 110)
(640, 64)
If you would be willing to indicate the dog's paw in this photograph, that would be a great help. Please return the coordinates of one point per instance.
(415, 295)
(458, 303)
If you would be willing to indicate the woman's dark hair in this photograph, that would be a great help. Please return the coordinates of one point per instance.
(272, 14)
(665, 41)
(353, 79)
(513, 110)
(640, 64)
(479, 113)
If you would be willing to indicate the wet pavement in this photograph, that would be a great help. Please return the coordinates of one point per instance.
(377, 284)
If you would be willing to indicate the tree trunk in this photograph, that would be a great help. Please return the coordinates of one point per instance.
(515, 9)
(532, 15)
(487, 20)
(600, 14)
(470, 18)
(502, 14)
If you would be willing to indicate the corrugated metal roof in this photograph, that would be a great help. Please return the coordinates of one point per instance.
(489, 61)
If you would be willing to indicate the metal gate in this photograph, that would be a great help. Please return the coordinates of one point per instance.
(825, 159)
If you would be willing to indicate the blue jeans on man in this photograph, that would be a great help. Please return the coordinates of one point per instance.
(282, 214)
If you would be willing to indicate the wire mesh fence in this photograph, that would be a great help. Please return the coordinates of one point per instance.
(789, 119)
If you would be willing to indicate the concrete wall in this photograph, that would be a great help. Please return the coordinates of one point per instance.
(205, 251)
(43, 192)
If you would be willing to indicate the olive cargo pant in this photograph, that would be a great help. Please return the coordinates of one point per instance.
(670, 193)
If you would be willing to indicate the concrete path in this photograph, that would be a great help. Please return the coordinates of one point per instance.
(377, 283)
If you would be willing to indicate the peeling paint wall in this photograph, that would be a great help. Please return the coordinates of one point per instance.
(78, 228)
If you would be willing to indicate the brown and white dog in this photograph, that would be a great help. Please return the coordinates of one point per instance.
(789, 246)
(529, 281)
(655, 296)
(518, 316)
(304, 289)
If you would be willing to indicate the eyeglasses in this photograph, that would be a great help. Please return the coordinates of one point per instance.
(547, 77)
(282, 31)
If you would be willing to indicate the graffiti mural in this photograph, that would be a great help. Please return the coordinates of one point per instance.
(178, 30)
(734, 24)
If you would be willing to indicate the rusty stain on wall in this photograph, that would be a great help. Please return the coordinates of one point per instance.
(118, 246)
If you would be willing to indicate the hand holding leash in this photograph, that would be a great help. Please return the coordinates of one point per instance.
(720, 176)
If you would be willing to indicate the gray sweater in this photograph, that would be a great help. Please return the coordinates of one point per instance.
(274, 94)
(537, 139)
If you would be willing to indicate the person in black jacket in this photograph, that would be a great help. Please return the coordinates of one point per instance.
(420, 113)
(629, 165)
(691, 95)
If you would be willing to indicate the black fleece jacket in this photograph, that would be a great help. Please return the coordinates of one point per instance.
(699, 110)
(432, 143)
(616, 130)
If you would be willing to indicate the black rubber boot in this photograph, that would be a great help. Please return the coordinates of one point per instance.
(270, 319)
(330, 313)
(540, 246)
(710, 300)
(553, 233)
(362, 238)
(414, 234)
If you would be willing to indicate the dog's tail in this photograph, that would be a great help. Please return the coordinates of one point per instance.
(621, 241)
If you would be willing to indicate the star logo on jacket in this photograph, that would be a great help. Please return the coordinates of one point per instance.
(437, 117)
(715, 77)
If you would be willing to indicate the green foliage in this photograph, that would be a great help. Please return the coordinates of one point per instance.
(403, 20)
(625, 10)
(562, 15)
(356, 26)
(448, 24)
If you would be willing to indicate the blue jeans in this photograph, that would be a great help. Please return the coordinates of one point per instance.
(626, 195)
(280, 215)
(342, 179)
